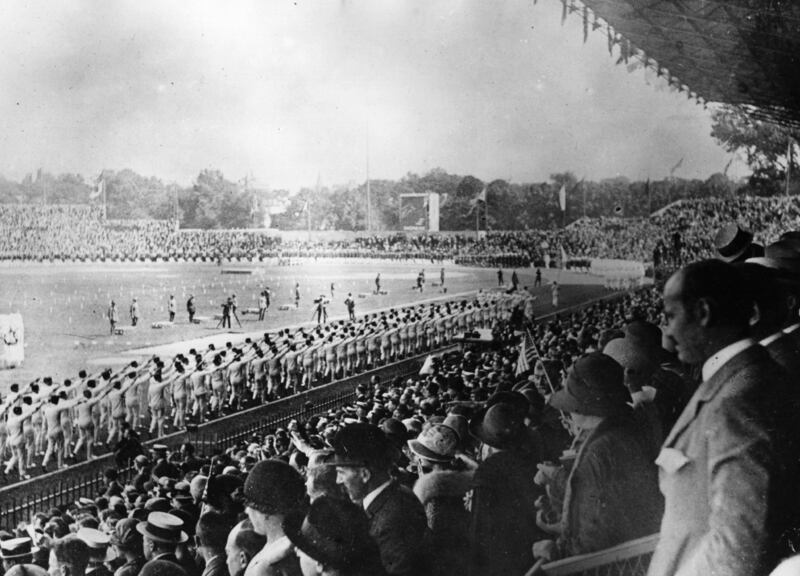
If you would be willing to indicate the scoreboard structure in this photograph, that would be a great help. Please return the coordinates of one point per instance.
(419, 212)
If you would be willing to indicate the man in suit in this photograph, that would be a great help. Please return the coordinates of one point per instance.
(69, 556)
(725, 470)
(212, 533)
(775, 279)
(162, 533)
(397, 521)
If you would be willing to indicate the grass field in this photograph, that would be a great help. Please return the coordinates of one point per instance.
(64, 305)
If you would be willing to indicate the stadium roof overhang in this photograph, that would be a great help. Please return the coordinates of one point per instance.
(742, 52)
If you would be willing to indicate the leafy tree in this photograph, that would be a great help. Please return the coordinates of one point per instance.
(215, 202)
(764, 144)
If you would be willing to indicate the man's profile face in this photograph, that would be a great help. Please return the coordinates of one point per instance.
(351, 478)
(682, 328)
(232, 554)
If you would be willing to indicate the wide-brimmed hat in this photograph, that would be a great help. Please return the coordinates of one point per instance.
(783, 257)
(335, 533)
(437, 442)
(16, 548)
(361, 445)
(733, 243)
(594, 387)
(163, 527)
(459, 423)
(99, 543)
(500, 426)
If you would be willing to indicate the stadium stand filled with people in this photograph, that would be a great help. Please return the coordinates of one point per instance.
(670, 410)
(676, 235)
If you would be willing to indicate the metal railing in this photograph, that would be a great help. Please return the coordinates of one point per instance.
(20, 501)
(627, 559)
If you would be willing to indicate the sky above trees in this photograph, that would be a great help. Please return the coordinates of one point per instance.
(283, 91)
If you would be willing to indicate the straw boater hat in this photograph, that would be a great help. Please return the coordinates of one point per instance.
(16, 548)
(163, 527)
(98, 542)
(735, 244)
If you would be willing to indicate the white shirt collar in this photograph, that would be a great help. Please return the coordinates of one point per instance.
(369, 498)
(771, 338)
(719, 359)
(792, 328)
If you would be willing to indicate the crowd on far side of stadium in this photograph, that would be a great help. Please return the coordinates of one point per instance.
(675, 235)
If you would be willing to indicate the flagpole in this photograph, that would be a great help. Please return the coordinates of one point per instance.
(789, 154)
(486, 211)
(105, 197)
(369, 201)
(583, 189)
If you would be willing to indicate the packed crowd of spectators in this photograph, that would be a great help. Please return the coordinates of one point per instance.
(544, 442)
(675, 235)
(473, 426)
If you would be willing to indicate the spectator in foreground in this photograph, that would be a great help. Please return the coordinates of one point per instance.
(242, 545)
(397, 519)
(162, 533)
(16, 551)
(334, 540)
(612, 489)
(728, 479)
(503, 516)
(128, 542)
(441, 488)
(273, 491)
(69, 556)
(212, 532)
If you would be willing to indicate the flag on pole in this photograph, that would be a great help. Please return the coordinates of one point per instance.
(427, 366)
(562, 198)
(479, 198)
(305, 207)
(678, 165)
(522, 360)
(99, 189)
(563, 257)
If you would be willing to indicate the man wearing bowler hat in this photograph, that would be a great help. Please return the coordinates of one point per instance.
(162, 532)
(397, 521)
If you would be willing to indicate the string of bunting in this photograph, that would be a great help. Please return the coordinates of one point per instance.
(629, 54)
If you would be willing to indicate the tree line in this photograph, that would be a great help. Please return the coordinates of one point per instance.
(214, 202)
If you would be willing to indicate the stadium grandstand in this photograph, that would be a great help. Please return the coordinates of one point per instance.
(650, 429)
